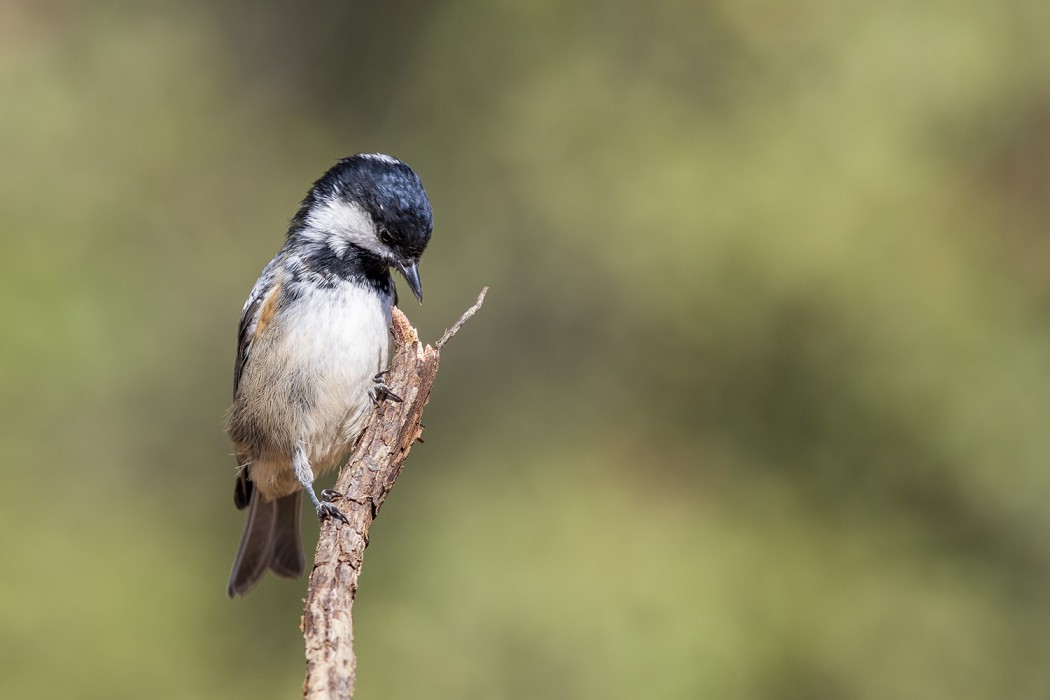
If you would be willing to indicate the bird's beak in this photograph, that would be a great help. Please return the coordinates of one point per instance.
(411, 272)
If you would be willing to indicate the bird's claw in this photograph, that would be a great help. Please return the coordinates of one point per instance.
(331, 495)
(328, 511)
(381, 391)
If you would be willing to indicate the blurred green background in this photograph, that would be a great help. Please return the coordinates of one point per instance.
(757, 406)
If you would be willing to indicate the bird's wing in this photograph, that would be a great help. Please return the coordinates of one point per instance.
(258, 312)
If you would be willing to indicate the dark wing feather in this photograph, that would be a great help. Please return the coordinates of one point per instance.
(265, 287)
(253, 307)
(245, 332)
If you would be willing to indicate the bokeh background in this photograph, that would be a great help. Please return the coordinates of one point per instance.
(758, 406)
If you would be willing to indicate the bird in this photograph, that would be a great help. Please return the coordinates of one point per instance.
(312, 350)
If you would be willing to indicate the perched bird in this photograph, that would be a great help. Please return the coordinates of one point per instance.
(312, 348)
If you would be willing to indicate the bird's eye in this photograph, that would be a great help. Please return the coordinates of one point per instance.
(386, 238)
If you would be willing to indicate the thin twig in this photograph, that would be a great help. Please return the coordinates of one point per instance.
(462, 319)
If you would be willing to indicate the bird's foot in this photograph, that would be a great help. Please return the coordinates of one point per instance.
(328, 511)
(381, 391)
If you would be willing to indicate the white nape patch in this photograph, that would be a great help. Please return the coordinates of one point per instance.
(338, 223)
(381, 157)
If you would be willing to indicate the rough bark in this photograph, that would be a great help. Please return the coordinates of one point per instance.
(365, 481)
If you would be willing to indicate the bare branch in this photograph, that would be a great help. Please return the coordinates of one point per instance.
(365, 481)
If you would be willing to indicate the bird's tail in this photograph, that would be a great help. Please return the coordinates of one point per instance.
(271, 540)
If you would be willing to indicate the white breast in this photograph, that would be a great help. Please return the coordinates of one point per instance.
(307, 378)
(337, 339)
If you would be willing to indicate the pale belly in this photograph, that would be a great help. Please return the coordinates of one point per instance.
(307, 380)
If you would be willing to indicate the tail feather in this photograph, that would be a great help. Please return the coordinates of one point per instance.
(242, 490)
(270, 541)
(288, 560)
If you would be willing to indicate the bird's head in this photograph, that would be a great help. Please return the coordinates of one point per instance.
(372, 202)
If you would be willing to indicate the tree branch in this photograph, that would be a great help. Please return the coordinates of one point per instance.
(365, 481)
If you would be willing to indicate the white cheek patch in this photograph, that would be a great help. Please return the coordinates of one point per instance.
(339, 223)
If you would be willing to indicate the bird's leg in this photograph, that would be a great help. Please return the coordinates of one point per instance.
(381, 391)
(301, 466)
